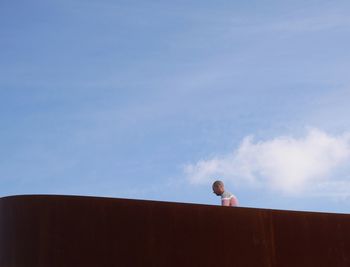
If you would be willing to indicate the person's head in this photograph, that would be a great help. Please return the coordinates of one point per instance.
(218, 188)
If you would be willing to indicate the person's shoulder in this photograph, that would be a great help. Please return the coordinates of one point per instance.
(226, 195)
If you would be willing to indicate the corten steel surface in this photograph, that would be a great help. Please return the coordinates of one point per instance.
(50, 231)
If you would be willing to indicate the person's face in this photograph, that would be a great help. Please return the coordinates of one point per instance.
(218, 190)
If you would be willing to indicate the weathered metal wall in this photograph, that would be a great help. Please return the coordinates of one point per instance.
(67, 231)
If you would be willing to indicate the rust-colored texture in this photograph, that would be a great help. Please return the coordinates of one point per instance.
(70, 231)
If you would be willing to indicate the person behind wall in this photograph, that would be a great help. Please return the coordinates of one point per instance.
(227, 198)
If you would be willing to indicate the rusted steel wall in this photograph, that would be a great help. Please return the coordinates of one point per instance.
(65, 231)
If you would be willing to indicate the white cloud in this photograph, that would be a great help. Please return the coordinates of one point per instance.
(287, 164)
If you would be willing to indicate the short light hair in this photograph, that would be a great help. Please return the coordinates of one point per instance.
(218, 183)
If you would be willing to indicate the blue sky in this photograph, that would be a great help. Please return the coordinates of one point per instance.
(155, 99)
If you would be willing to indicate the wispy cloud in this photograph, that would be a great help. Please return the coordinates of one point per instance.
(287, 164)
(293, 22)
(312, 23)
